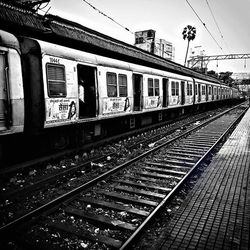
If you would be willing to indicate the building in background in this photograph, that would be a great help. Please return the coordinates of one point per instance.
(164, 49)
(198, 51)
(242, 80)
(238, 77)
(147, 40)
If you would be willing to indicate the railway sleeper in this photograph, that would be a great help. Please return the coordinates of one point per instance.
(184, 152)
(197, 140)
(192, 155)
(123, 197)
(100, 219)
(202, 148)
(156, 176)
(183, 148)
(139, 192)
(114, 206)
(196, 143)
(180, 157)
(142, 185)
(82, 234)
(178, 163)
(191, 151)
(165, 171)
(165, 165)
(143, 179)
(207, 133)
(204, 137)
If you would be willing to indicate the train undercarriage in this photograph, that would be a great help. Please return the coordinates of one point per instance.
(25, 147)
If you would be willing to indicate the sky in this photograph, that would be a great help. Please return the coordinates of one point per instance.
(228, 24)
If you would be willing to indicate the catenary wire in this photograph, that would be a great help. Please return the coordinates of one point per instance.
(216, 23)
(92, 6)
(204, 25)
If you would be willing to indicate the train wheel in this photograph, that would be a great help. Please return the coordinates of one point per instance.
(61, 141)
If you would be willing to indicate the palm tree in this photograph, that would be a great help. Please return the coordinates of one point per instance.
(189, 32)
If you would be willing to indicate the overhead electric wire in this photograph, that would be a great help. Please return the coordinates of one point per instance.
(92, 6)
(216, 23)
(204, 25)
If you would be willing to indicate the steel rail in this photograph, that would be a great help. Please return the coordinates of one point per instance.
(27, 164)
(152, 215)
(71, 194)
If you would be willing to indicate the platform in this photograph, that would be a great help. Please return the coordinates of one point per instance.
(216, 213)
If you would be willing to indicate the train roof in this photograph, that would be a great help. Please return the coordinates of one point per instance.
(54, 29)
(9, 40)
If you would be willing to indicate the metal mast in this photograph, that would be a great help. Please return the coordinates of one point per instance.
(204, 60)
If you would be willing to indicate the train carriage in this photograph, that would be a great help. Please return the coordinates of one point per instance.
(175, 93)
(80, 86)
(11, 85)
(152, 92)
(200, 91)
(209, 93)
(181, 91)
(54, 96)
(189, 97)
(215, 93)
(115, 91)
(65, 86)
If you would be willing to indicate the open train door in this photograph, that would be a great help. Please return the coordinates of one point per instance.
(183, 93)
(194, 91)
(206, 92)
(5, 116)
(87, 91)
(199, 92)
(137, 87)
(165, 92)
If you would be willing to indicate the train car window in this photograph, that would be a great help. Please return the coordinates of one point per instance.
(209, 90)
(122, 82)
(189, 89)
(111, 84)
(196, 89)
(139, 40)
(157, 88)
(203, 90)
(175, 88)
(56, 80)
(150, 87)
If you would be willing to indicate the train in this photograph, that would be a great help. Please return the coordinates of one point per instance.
(55, 93)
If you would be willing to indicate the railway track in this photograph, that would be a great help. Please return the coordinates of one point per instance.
(174, 123)
(113, 209)
(76, 169)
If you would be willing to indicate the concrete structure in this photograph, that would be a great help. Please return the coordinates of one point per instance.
(147, 40)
